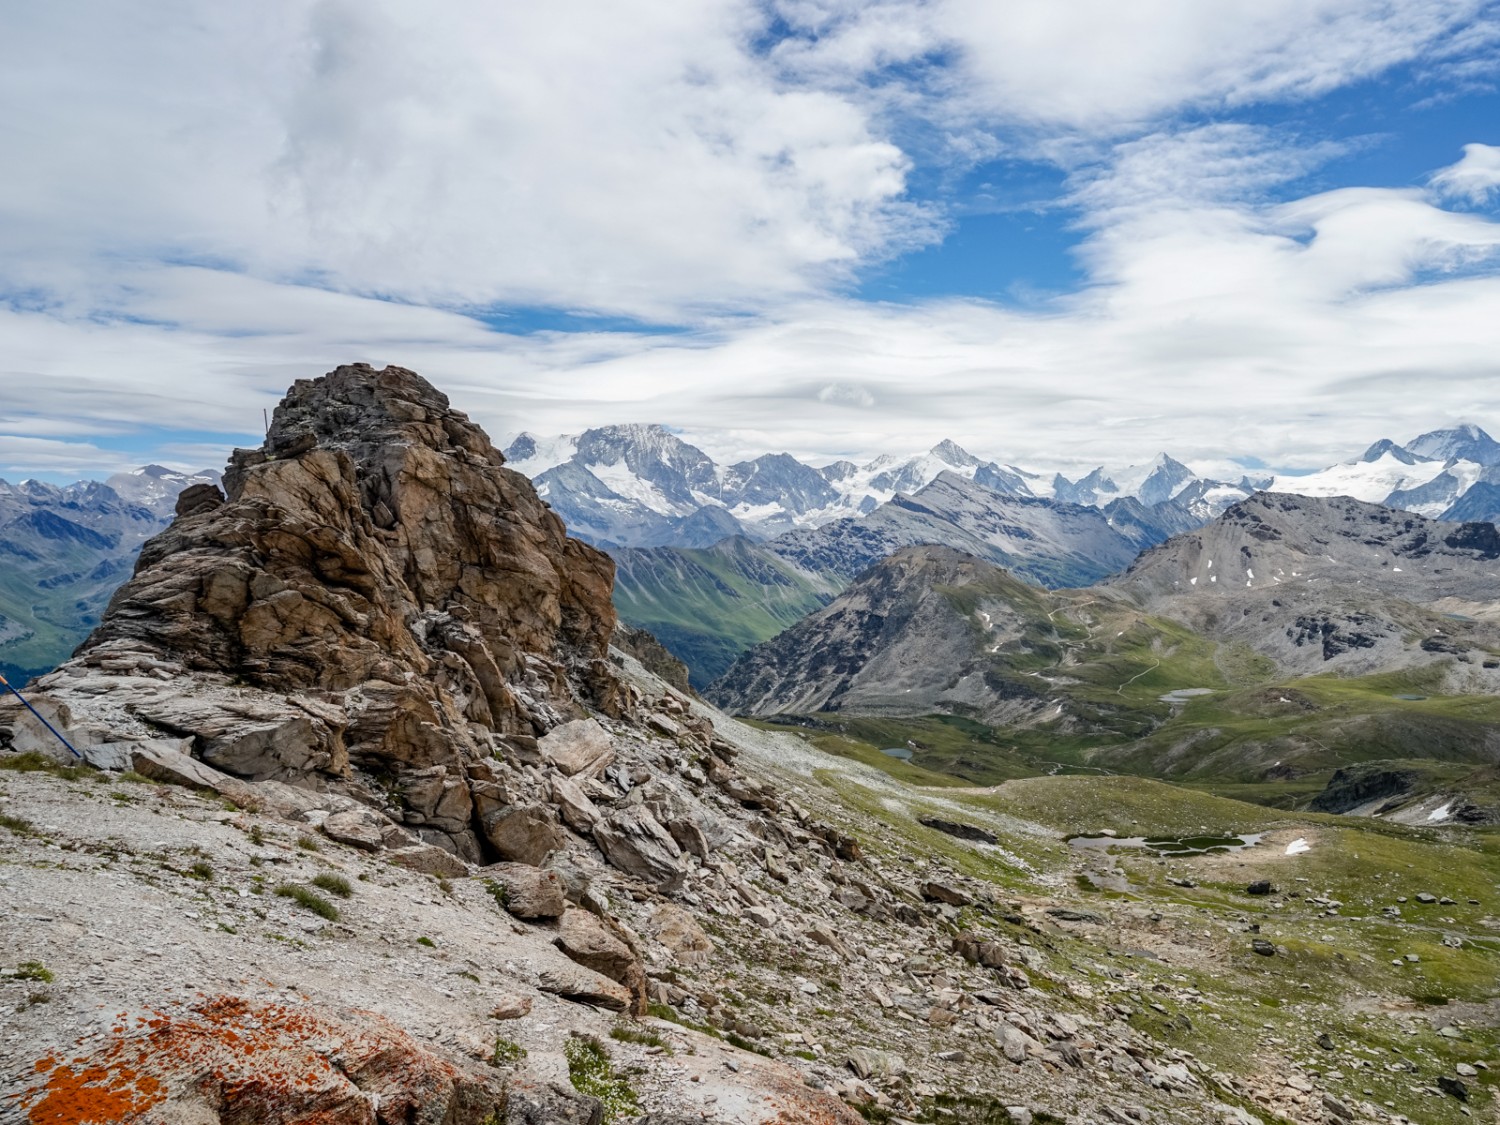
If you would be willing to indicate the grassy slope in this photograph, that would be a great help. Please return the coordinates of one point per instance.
(1332, 973)
(708, 605)
(1258, 736)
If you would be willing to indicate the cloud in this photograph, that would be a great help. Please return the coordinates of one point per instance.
(1474, 178)
(1098, 67)
(638, 158)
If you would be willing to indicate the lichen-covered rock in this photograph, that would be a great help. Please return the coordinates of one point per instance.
(230, 1059)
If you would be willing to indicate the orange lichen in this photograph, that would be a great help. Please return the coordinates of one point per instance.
(266, 1062)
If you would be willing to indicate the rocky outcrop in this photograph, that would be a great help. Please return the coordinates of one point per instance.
(229, 1059)
(373, 602)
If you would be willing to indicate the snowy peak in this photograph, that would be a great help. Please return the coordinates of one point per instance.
(1463, 443)
(954, 455)
(1385, 446)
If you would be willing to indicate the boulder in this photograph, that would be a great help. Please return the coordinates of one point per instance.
(633, 841)
(528, 892)
(429, 860)
(1015, 1044)
(934, 891)
(537, 1103)
(510, 1006)
(358, 828)
(524, 833)
(591, 942)
(676, 929)
(574, 982)
(573, 805)
(581, 748)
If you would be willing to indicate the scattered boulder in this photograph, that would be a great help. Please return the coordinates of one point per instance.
(510, 1007)
(527, 892)
(524, 833)
(429, 859)
(676, 929)
(581, 748)
(536, 1103)
(358, 828)
(1263, 947)
(962, 831)
(636, 843)
(574, 982)
(934, 891)
(1260, 887)
(594, 943)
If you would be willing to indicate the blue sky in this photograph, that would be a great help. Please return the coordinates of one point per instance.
(1062, 234)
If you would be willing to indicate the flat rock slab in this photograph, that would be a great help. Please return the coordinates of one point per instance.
(581, 748)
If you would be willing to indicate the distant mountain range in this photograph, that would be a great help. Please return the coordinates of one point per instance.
(1290, 636)
(642, 486)
(715, 558)
(64, 551)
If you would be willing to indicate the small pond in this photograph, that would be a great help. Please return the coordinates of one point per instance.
(898, 752)
(1171, 845)
(1182, 695)
(1408, 695)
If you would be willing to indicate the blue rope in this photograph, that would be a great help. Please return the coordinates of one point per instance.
(7, 684)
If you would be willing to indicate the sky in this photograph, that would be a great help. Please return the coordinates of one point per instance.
(1060, 232)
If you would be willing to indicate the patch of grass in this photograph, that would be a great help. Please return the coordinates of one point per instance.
(33, 970)
(427, 941)
(499, 892)
(33, 761)
(257, 835)
(506, 1052)
(591, 1073)
(18, 824)
(135, 778)
(333, 884)
(308, 844)
(628, 1033)
(309, 899)
(201, 870)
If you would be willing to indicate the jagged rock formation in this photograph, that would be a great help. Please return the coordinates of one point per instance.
(374, 597)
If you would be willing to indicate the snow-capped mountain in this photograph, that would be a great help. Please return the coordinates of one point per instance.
(641, 485)
(1427, 475)
(155, 487)
(633, 485)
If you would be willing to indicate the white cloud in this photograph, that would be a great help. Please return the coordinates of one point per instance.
(1474, 178)
(1213, 327)
(1098, 66)
(637, 158)
(207, 202)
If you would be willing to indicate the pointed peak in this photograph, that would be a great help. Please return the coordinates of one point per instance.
(951, 453)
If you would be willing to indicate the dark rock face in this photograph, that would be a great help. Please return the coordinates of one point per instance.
(1353, 786)
(374, 590)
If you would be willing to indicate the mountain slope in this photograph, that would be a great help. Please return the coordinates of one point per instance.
(913, 635)
(64, 551)
(708, 605)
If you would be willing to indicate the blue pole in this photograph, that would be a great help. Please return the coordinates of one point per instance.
(7, 684)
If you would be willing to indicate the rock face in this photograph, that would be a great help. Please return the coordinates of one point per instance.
(373, 596)
(916, 633)
(1323, 584)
